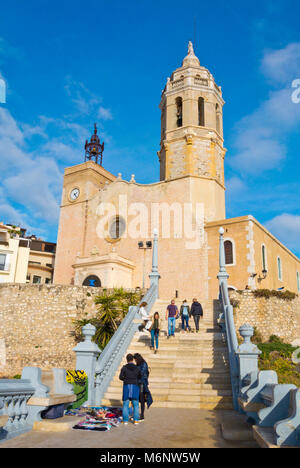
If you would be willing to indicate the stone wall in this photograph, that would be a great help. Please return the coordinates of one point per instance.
(272, 316)
(36, 324)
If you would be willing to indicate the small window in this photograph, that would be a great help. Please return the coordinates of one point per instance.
(2, 261)
(228, 246)
(264, 258)
(279, 268)
(37, 279)
(298, 282)
(47, 280)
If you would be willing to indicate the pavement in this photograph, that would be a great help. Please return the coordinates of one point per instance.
(162, 428)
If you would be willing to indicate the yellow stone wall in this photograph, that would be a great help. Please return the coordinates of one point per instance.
(248, 235)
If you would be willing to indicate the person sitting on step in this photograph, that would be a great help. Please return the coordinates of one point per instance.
(145, 317)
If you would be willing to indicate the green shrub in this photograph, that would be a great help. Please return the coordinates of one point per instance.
(276, 355)
(267, 293)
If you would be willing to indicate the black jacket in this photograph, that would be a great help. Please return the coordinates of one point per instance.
(196, 309)
(130, 374)
(181, 310)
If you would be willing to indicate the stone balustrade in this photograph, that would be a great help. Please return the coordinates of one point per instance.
(273, 408)
(23, 400)
(14, 395)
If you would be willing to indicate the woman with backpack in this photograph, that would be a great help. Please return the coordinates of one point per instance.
(145, 395)
(185, 314)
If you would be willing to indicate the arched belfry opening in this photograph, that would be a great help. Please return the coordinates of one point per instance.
(179, 120)
(201, 115)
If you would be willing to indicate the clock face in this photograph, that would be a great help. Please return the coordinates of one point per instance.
(74, 193)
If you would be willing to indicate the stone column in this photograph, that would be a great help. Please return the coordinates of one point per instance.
(247, 354)
(87, 353)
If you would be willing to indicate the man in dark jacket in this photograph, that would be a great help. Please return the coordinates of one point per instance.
(196, 312)
(130, 375)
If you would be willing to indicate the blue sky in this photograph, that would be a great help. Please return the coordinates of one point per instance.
(69, 64)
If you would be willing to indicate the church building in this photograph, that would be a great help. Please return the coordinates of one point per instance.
(106, 223)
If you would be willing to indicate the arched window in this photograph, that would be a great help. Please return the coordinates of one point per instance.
(179, 112)
(201, 117)
(279, 267)
(298, 281)
(228, 246)
(218, 119)
(264, 257)
(92, 281)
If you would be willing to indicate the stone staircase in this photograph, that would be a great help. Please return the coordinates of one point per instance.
(190, 370)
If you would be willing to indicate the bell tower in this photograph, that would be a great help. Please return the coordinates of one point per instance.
(192, 124)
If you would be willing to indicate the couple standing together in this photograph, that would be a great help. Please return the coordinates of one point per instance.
(134, 376)
(186, 312)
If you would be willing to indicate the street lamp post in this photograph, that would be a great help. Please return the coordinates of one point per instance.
(147, 246)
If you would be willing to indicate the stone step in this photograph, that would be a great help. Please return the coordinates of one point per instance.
(213, 379)
(217, 403)
(115, 392)
(180, 386)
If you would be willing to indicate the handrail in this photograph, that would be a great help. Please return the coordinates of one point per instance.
(101, 369)
(231, 336)
(112, 355)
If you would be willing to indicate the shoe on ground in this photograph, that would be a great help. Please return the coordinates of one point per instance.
(136, 422)
(125, 423)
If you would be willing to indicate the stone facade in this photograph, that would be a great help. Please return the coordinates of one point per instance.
(191, 159)
(272, 316)
(36, 324)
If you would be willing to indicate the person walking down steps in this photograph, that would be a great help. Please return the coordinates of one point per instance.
(185, 314)
(171, 315)
(130, 375)
(154, 330)
(196, 312)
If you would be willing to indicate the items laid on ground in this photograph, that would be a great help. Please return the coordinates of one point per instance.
(101, 418)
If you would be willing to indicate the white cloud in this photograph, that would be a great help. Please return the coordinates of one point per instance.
(104, 114)
(31, 178)
(282, 65)
(86, 103)
(259, 137)
(28, 180)
(286, 227)
(235, 185)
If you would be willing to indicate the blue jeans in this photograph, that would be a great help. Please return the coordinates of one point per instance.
(154, 335)
(184, 318)
(136, 414)
(171, 325)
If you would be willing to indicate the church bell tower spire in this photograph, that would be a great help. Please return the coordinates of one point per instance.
(192, 123)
